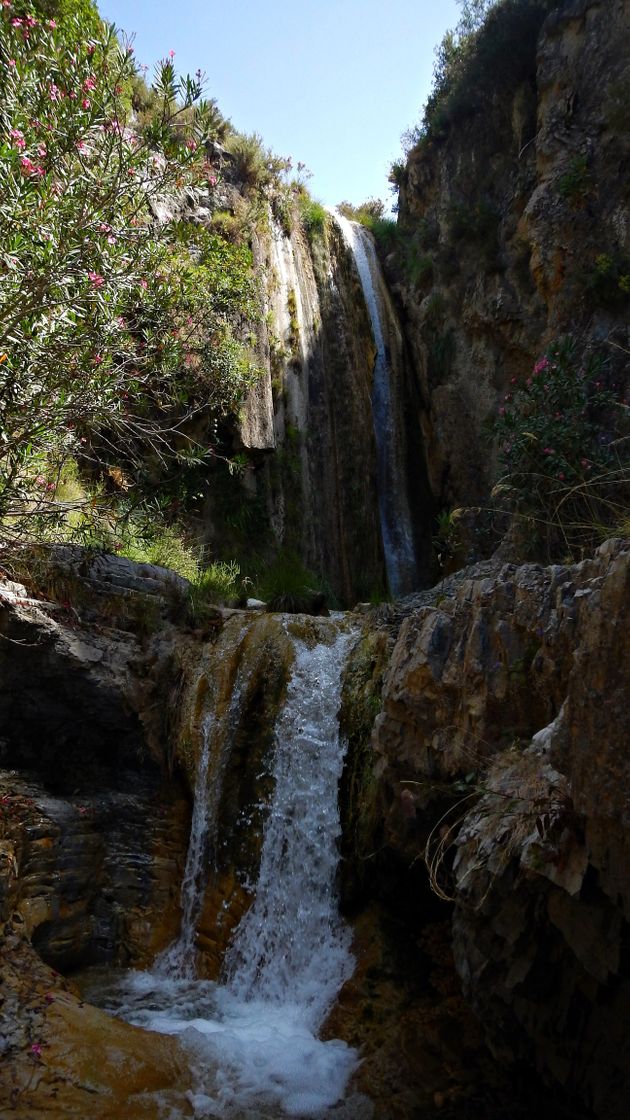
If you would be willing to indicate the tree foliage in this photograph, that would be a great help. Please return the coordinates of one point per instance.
(491, 49)
(116, 318)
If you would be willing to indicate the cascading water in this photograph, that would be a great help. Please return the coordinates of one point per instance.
(291, 947)
(252, 1039)
(395, 515)
(179, 959)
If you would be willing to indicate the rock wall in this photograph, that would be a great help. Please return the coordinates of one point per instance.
(500, 758)
(514, 231)
(309, 484)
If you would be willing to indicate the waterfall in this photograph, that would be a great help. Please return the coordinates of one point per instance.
(291, 947)
(179, 959)
(394, 511)
(252, 1039)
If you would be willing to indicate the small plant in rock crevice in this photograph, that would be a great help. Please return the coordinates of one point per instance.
(564, 451)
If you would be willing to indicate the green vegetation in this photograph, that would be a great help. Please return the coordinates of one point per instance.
(286, 585)
(118, 350)
(313, 215)
(575, 183)
(564, 438)
(608, 282)
(492, 49)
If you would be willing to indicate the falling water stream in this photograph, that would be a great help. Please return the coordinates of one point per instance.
(394, 512)
(252, 1038)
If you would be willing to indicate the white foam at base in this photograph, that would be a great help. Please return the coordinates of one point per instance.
(247, 1058)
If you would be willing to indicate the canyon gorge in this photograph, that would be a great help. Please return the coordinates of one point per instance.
(364, 854)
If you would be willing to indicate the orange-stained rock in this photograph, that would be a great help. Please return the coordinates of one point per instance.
(63, 1058)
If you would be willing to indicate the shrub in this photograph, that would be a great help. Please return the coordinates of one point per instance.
(492, 49)
(114, 327)
(314, 216)
(575, 183)
(255, 166)
(217, 585)
(565, 451)
(608, 282)
(288, 586)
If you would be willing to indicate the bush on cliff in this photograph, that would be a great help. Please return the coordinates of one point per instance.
(564, 438)
(492, 48)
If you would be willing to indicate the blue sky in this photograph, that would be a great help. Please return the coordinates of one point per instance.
(332, 83)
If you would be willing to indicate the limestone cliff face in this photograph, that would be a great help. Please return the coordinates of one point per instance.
(309, 485)
(515, 224)
(501, 757)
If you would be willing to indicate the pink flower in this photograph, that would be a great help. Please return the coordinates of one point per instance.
(212, 180)
(52, 23)
(36, 1049)
(143, 284)
(89, 84)
(191, 145)
(111, 240)
(54, 92)
(97, 359)
(561, 476)
(541, 365)
(17, 22)
(584, 462)
(548, 451)
(81, 146)
(27, 166)
(171, 54)
(12, 62)
(18, 138)
(96, 279)
(529, 381)
(502, 411)
(40, 480)
(85, 104)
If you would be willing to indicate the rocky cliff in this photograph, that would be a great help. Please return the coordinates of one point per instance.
(513, 224)
(485, 827)
(500, 760)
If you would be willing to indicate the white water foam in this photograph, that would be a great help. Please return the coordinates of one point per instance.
(253, 1039)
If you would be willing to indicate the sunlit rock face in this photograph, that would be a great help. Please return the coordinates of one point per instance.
(508, 211)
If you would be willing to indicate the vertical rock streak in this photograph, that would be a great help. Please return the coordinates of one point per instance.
(395, 515)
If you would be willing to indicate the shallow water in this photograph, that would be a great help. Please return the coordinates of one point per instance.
(252, 1038)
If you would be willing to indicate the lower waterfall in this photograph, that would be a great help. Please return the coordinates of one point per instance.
(252, 1038)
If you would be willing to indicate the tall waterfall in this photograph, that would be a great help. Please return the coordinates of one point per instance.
(395, 514)
(252, 1039)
